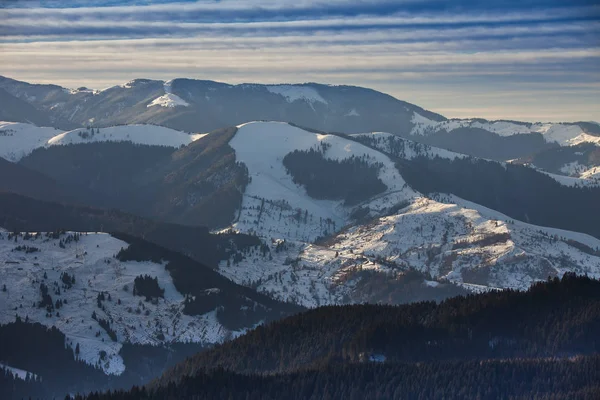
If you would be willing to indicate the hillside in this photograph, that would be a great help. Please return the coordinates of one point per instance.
(105, 293)
(481, 344)
(556, 379)
(279, 203)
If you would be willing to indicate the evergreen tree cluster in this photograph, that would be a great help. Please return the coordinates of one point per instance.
(27, 249)
(145, 285)
(353, 179)
(44, 352)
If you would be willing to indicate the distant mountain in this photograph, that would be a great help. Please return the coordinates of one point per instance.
(355, 198)
(18, 110)
(579, 161)
(203, 106)
(500, 140)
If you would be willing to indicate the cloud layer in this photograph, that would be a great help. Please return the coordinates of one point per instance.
(532, 60)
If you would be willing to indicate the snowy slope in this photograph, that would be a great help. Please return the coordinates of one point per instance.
(18, 140)
(271, 200)
(562, 134)
(169, 99)
(586, 180)
(397, 146)
(91, 260)
(17, 373)
(454, 241)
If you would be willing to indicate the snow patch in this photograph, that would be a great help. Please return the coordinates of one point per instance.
(19, 373)
(168, 100)
(293, 93)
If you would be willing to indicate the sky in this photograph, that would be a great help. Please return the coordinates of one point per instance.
(530, 60)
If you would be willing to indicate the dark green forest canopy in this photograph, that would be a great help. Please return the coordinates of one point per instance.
(542, 343)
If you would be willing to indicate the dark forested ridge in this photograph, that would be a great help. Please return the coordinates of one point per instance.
(519, 192)
(24, 214)
(555, 318)
(575, 379)
(200, 184)
(111, 168)
(542, 344)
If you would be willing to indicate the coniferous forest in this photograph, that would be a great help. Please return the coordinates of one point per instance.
(539, 344)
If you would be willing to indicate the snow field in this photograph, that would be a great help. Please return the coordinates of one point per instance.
(91, 260)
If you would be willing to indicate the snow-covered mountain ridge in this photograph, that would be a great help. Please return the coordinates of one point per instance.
(17, 140)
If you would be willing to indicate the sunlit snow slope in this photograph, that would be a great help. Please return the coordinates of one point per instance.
(451, 240)
(272, 201)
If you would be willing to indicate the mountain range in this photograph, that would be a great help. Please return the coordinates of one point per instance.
(232, 206)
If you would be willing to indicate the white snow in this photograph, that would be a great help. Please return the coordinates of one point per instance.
(168, 100)
(588, 180)
(140, 134)
(18, 140)
(293, 93)
(273, 203)
(18, 373)
(91, 260)
(455, 241)
(592, 173)
(577, 170)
